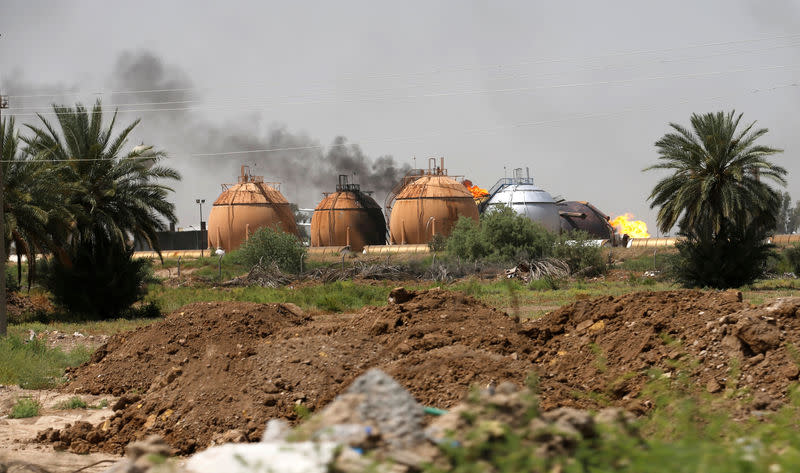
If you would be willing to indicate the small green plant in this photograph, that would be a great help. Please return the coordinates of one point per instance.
(74, 402)
(100, 405)
(25, 407)
(301, 411)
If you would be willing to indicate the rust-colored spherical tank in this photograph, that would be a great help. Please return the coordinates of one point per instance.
(348, 217)
(245, 207)
(430, 204)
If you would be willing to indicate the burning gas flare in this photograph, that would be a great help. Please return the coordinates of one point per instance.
(633, 228)
(477, 192)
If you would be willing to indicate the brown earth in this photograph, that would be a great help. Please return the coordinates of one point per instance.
(603, 350)
(212, 367)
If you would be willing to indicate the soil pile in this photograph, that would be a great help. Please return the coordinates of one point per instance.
(599, 351)
(214, 367)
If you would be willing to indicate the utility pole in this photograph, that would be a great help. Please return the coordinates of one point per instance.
(200, 202)
(3, 256)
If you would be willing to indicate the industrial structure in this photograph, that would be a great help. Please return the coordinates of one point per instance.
(246, 206)
(427, 202)
(348, 218)
(520, 193)
(583, 216)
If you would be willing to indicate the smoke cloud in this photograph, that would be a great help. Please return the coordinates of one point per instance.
(303, 165)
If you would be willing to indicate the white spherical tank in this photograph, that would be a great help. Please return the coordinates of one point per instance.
(526, 199)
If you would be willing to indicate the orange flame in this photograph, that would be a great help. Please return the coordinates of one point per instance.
(633, 228)
(477, 192)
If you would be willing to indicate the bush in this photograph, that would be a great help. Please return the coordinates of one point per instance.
(732, 258)
(101, 280)
(793, 256)
(25, 407)
(502, 235)
(581, 254)
(267, 245)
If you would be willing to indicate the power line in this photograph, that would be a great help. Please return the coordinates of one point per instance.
(442, 94)
(337, 92)
(444, 132)
(462, 67)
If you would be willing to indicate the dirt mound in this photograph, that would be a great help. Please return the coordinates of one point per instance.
(211, 368)
(131, 361)
(600, 351)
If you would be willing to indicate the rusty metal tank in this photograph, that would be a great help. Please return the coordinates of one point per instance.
(429, 204)
(581, 215)
(246, 206)
(348, 217)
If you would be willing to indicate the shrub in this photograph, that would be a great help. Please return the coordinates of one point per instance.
(267, 245)
(581, 254)
(101, 280)
(25, 407)
(733, 257)
(466, 241)
(502, 235)
(793, 256)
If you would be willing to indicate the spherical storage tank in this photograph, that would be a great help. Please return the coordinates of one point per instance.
(348, 217)
(432, 203)
(243, 208)
(581, 215)
(526, 199)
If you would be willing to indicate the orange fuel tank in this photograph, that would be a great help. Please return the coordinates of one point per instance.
(348, 217)
(243, 208)
(431, 203)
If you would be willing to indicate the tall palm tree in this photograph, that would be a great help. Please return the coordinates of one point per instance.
(719, 176)
(114, 194)
(33, 201)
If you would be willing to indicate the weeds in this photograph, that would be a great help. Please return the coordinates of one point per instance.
(74, 402)
(32, 365)
(25, 407)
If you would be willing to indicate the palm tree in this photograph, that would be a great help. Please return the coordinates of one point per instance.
(33, 201)
(114, 195)
(718, 177)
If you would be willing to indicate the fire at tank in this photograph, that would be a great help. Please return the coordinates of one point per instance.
(428, 202)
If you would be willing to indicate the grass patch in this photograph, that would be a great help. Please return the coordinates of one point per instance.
(74, 402)
(25, 407)
(338, 296)
(33, 365)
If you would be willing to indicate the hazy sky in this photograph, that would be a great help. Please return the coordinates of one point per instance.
(577, 91)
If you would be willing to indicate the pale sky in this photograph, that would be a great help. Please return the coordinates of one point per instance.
(577, 91)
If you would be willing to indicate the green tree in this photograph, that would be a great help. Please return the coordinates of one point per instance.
(113, 194)
(788, 217)
(718, 175)
(33, 201)
(718, 196)
(502, 235)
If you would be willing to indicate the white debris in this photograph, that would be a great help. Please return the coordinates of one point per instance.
(300, 457)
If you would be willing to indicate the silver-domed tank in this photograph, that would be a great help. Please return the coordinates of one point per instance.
(525, 198)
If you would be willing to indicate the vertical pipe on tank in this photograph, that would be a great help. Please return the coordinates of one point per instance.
(348, 235)
(247, 232)
(403, 232)
(219, 240)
